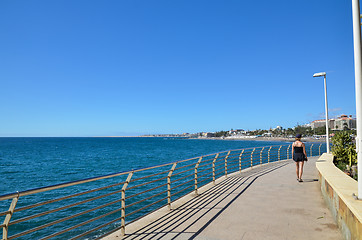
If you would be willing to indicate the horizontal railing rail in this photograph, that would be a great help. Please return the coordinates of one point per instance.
(95, 207)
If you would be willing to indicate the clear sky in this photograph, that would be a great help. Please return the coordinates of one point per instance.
(130, 67)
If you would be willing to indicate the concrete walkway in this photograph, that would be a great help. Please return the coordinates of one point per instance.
(266, 202)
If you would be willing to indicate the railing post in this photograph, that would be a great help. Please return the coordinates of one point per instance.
(123, 204)
(269, 153)
(320, 145)
(169, 185)
(288, 151)
(226, 164)
(251, 158)
(279, 152)
(261, 156)
(241, 154)
(311, 148)
(213, 167)
(8, 217)
(196, 167)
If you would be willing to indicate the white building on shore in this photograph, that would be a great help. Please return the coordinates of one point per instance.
(341, 123)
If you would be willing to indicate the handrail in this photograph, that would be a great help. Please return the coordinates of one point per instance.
(86, 180)
(152, 188)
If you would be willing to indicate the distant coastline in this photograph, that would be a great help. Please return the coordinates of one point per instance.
(265, 139)
(243, 138)
(120, 136)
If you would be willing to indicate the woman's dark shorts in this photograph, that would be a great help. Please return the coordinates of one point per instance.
(299, 157)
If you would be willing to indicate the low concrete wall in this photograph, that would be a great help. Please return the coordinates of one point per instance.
(337, 189)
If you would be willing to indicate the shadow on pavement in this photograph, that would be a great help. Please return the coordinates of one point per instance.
(202, 210)
(310, 180)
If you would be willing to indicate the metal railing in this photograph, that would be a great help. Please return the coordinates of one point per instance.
(95, 207)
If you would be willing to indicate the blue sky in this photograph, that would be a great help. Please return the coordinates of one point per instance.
(99, 68)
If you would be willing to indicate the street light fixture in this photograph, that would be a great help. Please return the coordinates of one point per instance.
(323, 74)
(319, 74)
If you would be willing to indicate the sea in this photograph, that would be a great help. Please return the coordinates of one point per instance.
(28, 163)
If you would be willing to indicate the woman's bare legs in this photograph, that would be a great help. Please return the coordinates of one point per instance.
(301, 164)
(299, 169)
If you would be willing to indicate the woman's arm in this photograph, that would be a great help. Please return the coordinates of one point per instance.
(293, 151)
(305, 152)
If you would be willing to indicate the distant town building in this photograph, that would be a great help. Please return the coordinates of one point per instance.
(318, 123)
(237, 131)
(208, 134)
(344, 122)
(341, 123)
(308, 125)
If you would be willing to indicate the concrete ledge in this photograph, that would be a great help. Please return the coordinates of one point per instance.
(337, 189)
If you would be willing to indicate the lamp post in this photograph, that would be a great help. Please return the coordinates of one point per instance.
(358, 83)
(326, 104)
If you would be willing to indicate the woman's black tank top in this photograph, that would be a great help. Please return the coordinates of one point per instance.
(298, 149)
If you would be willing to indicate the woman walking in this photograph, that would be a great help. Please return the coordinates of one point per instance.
(299, 155)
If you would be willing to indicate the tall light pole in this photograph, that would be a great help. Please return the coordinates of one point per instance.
(358, 84)
(326, 104)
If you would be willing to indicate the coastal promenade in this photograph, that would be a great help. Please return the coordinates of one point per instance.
(265, 202)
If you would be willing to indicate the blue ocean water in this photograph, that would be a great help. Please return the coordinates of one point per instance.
(27, 163)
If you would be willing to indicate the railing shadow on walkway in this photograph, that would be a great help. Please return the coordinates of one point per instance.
(204, 208)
